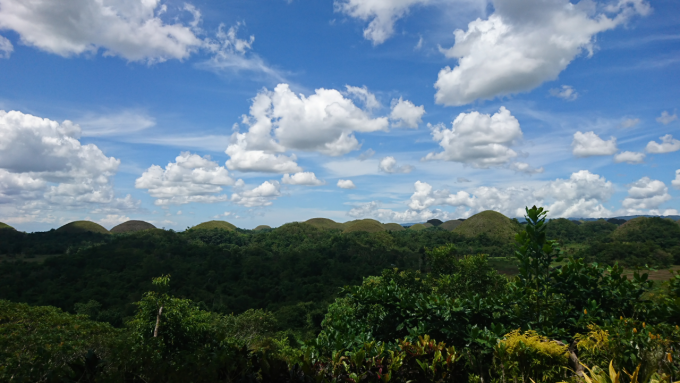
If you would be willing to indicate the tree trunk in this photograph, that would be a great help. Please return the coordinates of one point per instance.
(158, 322)
(574, 362)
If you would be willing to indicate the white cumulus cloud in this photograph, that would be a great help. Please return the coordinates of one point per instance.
(579, 196)
(590, 144)
(43, 163)
(325, 122)
(242, 159)
(389, 165)
(668, 144)
(382, 13)
(132, 29)
(191, 178)
(346, 184)
(645, 194)
(582, 195)
(477, 139)
(676, 181)
(262, 195)
(302, 178)
(629, 157)
(666, 118)
(137, 30)
(373, 210)
(406, 114)
(364, 95)
(522, 44)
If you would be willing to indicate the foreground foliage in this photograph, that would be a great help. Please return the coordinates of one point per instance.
(452, 318)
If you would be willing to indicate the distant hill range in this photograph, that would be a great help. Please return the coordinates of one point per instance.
(627, 217)
(522, 220)
(500, 224)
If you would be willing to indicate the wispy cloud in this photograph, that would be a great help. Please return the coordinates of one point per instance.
(115, 124)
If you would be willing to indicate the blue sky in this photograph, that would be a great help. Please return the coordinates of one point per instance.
(266, 112)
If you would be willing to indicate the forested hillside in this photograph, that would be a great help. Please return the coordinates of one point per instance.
(293, 270)
(305, 304)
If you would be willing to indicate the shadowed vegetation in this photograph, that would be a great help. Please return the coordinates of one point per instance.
(450, 225)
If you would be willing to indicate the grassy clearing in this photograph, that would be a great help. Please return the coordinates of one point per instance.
(655, 274)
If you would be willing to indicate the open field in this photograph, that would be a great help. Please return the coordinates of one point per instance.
(655, 274)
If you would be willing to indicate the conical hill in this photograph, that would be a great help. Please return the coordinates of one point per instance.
(492, 223)
(79, 227)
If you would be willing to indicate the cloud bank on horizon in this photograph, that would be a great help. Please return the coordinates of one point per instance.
(140, 108)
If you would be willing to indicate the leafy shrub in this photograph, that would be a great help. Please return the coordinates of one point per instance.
(631, 345)
(423, 360)
(44, 344)
(528, 356)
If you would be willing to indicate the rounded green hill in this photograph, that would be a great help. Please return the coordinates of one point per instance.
(369, 225)
(79, 227)
(393, 227)
(325, 223)
(492, 223)
(434, 221)
(417, 227)
(262, 227)
(131, 227)
(642, 229)
(450, 225)
(6, 226)
(222, 225)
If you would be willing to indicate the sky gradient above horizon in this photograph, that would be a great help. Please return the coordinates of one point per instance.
(267, 112)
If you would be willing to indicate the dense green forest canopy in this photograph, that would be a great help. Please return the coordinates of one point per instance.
(306, 304)
(294, 270)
